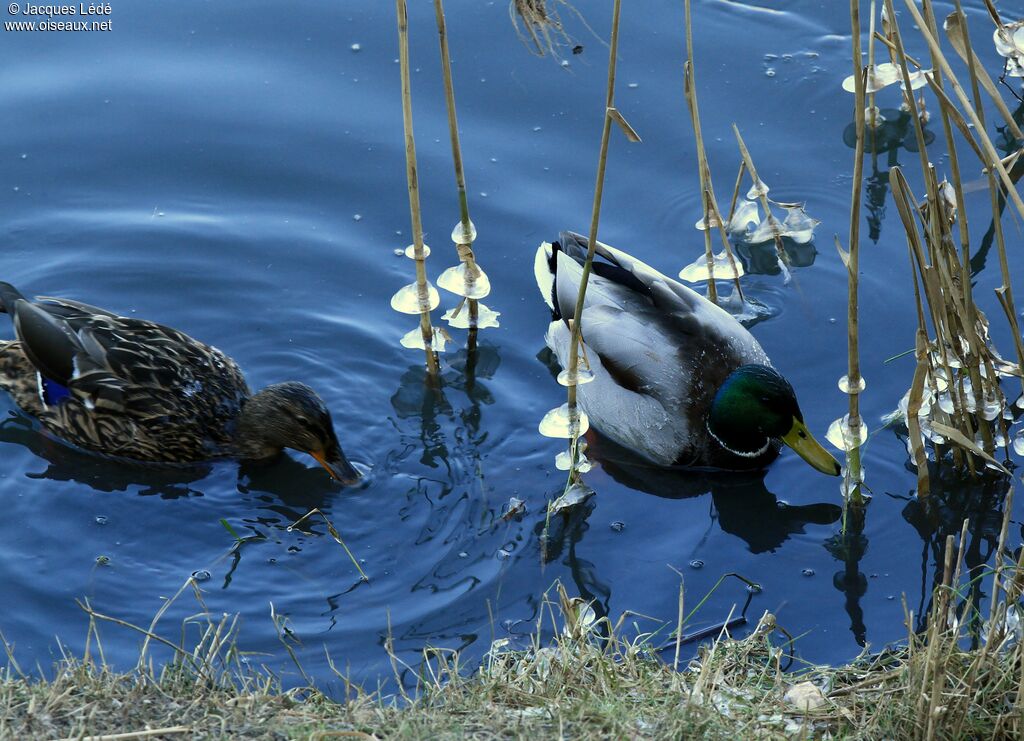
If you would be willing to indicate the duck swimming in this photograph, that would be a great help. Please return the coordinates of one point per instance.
(135, 389)
(677, 379)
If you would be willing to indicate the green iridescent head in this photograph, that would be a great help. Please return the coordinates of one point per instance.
(756, 405)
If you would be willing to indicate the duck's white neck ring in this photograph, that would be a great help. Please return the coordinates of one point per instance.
(753, 454)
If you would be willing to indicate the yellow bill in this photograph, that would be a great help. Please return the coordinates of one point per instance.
(800, 439)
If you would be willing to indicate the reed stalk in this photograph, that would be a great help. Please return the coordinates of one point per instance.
(853, 377)
(412, 180)
(960, 354)
(465, 250)
(748, 163)
(709, 204)
(595, 218)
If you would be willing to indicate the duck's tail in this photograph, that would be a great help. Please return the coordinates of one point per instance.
(545, 265)
(544, 272)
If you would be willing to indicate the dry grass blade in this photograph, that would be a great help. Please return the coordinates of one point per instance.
(148, 733)
(960, 439)
(334, 534)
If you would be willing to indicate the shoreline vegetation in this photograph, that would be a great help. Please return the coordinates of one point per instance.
(958, 677)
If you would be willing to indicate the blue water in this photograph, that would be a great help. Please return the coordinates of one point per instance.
(238, 172)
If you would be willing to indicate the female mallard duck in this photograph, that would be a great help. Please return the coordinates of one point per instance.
(677, 379)
(139, 390)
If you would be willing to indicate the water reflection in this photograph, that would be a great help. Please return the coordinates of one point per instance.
(849, 546)
(956, 498)
(1007, 144)
(66, 463)
(762, 258)
(895, 133)
(741, 503)
(437, 466)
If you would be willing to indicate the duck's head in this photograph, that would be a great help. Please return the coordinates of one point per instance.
(756, 405)
(291, 415)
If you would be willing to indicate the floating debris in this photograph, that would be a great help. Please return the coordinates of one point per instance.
(463, 281)
(514, 507)
(414, 339)
(459, 317)
(574, 496)
(408, 300)
(618, 526)
(556, 423)
(697, 271)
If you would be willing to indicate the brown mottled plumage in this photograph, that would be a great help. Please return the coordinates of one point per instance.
(136, 389)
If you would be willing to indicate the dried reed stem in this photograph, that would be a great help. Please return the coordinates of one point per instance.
(709, 204)
(993, 160)
(853, 378)
(465, 250)
(414, 188)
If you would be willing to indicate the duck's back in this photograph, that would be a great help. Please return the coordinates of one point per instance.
(137, 389)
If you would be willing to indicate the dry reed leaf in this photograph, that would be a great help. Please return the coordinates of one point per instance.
(958, 37)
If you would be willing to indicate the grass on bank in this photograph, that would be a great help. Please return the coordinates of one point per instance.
(590, 681)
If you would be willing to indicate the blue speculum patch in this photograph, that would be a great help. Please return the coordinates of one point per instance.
(53, 392)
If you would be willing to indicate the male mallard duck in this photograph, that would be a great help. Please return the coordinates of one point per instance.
(139, 390)
(677, 378)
